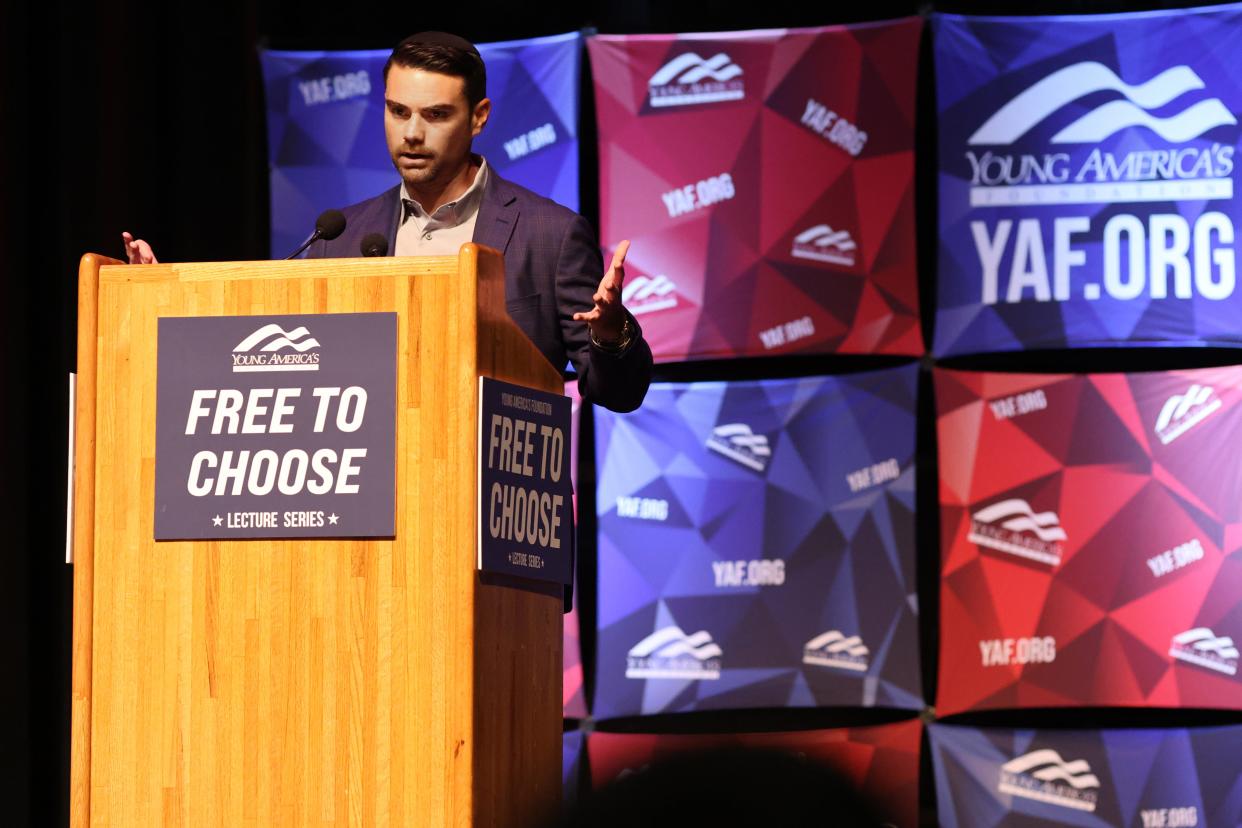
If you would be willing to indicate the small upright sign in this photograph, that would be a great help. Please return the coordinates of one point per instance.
(526, 513)
(276, 426)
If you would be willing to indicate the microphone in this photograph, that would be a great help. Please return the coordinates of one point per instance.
(374, 244)
(329, 225)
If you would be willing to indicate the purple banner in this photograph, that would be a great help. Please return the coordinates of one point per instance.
(325, 126)
(1175, 778)
(571, 766)
(756, 546)
(1086, 180)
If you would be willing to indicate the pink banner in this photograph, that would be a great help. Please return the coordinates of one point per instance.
(766, 180)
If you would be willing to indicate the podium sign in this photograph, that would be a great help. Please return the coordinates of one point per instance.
(276, 426)
(526, 525)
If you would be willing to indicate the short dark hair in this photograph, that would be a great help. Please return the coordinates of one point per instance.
(445, 54)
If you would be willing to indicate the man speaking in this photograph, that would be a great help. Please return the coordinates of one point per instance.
(435, 103)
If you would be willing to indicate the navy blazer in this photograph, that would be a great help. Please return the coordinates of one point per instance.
(552, 269)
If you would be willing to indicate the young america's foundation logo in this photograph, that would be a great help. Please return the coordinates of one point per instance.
(670, 653)
(1064, 86)
(649, 294)
(1204, 648)
(1012, 526)
(689, 79)
(1183, 412)
(835, 649)
(823, 244)
(260, 350)
(1044, 776)
(1074, 169)
(741, 445)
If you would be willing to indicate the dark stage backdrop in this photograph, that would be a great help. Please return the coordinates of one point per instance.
(149, 117)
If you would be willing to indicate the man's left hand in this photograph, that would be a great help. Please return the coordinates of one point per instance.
(607, 318)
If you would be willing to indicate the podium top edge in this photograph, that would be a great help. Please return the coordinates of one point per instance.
(266, 269)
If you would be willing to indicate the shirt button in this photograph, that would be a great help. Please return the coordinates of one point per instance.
(427, 236)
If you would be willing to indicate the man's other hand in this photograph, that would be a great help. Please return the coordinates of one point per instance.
(607, 318)
(137, 250)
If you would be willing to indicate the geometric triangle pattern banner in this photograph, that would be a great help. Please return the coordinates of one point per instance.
(1000, 778)
(572, 742)
(879, 761)
(756, 546)
(1091, 539)
(1086, 177)
(766, 180)
(325, 127)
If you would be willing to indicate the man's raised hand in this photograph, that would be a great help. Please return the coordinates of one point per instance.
(607, 318)
(137, 250)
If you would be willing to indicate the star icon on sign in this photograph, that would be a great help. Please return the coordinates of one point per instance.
(333, 518)
(217, 520)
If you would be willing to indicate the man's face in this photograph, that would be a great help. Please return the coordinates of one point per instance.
(429, 126)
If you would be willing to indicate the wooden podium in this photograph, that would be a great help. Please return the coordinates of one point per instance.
(321, 682)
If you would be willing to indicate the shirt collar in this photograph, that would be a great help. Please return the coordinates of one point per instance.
(454, 212)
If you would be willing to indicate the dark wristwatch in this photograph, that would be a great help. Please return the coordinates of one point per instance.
(618, 346)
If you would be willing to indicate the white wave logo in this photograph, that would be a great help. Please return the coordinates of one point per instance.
(689, 79)
(1183, 412)
(1039, 101)
(1044, 776)
(690, 68)
(737, 442)
(646, 295)
(1013, 526)
(283, 339)
(835, 649)
(1204, 648)
(670, 653)
(271, 338)
(823, 244)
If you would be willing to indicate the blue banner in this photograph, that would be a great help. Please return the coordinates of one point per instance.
(1146, 778)
(756, 546)
(1086, 180)
(571, 766)
(325, 126)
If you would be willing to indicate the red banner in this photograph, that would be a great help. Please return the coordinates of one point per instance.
(766, 179)
(1091, 539)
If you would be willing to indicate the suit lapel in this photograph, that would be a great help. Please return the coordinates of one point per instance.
(498, 213)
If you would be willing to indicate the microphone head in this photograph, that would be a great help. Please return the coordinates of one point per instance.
(330, 224)
(374, 244)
